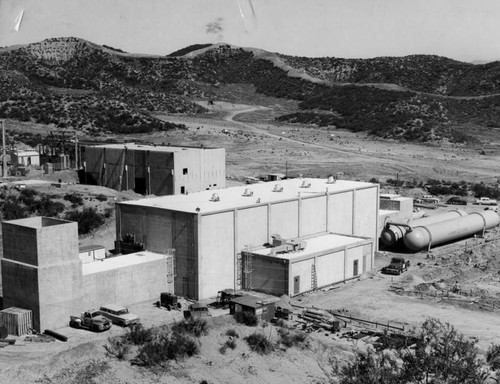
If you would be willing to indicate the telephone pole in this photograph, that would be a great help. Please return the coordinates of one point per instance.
(4, 163)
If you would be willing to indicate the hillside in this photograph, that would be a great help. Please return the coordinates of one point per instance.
(73, 83)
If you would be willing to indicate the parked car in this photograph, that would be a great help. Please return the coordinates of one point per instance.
(196, 311)
(430, 199)
(119, 315)
(485, 201)
(456, 200)
(397, 266)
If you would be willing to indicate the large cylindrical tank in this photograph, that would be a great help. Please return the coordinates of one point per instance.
(420, 237)
(392, 233)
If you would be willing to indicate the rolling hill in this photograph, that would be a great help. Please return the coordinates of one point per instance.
(70, 82)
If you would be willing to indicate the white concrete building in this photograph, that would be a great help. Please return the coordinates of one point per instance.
(210, 229)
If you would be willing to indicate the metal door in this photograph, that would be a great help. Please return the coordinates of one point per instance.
(355, 268)
(296, 285)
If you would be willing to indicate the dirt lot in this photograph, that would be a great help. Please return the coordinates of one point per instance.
(255, 146)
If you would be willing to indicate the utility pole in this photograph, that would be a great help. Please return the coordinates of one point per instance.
(4, 163)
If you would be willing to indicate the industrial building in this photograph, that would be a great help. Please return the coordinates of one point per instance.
(25, 157)
(154, 170)
(42, 272)
(210, 230)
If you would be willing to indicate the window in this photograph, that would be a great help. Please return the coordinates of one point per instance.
(184, 171)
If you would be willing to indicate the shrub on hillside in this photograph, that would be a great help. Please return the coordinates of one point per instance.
(75, 200)
(293, 338)
(88, 219)
(195, 327)
(139, 335)
(13, 209)
(259, 343)
(166, 346)
(117, 347)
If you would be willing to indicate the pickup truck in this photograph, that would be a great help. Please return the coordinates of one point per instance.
(397, 266)
(91, 320)
(485, 201)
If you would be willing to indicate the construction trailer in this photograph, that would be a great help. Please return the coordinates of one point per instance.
(210, 229)
(154, 170)
(263, 309)
(318, 262)
(42, 272)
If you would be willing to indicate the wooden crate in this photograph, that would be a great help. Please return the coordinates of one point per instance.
(18, 321)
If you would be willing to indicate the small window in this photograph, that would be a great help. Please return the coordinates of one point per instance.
(183, 189)
(185, 171)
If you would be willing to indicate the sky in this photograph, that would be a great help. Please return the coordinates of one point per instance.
(466, 30)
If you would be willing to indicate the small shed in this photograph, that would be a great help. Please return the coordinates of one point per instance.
(26, 157)
(17, 321)
(262, 308)
(89, 253)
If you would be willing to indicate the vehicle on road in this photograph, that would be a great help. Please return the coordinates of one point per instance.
(91, 320)
(485, 201)
(429, 199)
(456, 200)
(197, 311)
(397, 266)
(119, 315)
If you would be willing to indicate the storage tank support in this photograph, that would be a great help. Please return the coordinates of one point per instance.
(484, 221)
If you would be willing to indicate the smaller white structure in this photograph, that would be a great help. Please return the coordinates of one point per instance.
(25, 157)
(90, 253)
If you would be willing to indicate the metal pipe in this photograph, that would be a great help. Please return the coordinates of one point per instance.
(437, 233)
(394, 232)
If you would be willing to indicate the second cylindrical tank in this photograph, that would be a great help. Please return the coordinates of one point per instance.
(420, 237)
(392, 233)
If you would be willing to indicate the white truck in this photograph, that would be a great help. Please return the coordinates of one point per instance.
(91, 320)
(485, 201)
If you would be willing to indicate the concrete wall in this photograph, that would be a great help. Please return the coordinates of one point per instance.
(126, 286)
(160, 230)
(268, 274)
(284, 219)
(41, 269)
(340, 208)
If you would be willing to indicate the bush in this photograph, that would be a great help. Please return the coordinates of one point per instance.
(493, 357)
(12, 209)
(88, 219)
(117, 347)
(232, 333)
(259, 343)
(167, 346)
(195, 327)
(101, 197)
(75, 200)
(247, 318)
(293, 338)
(231, 343)
(138, 335)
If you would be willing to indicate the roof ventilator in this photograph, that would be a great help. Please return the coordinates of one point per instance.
(277, 188)
(331, 180)
(215, 197)
(305, 184)
(248, 192)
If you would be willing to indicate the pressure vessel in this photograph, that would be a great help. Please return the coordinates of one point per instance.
(420, 237)
(392, 233)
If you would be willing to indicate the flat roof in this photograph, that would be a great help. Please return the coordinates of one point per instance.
(316, 244)
(151, 148)
(248, 195)
(117, 262)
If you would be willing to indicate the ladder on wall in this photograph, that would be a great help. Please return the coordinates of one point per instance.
(170, 259)
(314, 278)
(239, 272)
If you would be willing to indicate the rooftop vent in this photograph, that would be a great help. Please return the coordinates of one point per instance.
(277, 188)
(331, 180)
(258, 200)
(215, 197)
(305, 184)
(248, 192)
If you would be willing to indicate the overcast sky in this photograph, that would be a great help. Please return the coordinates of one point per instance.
(461, 29)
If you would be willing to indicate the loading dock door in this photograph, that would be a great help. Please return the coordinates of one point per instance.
(296, 285)
(355, 268)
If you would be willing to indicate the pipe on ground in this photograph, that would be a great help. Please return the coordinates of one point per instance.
(433, 234)
(393, 233)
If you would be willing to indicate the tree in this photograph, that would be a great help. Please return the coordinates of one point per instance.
(441, 355)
